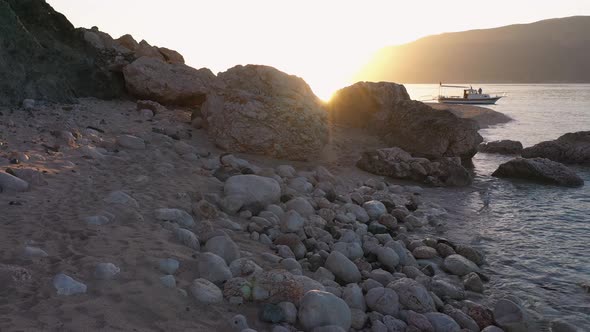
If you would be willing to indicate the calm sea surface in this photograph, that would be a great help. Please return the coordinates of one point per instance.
(536, 238)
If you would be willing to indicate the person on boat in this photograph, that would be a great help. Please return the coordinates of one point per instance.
(464, 94)
(479, 91)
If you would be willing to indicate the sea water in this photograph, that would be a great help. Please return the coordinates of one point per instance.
(536, 237)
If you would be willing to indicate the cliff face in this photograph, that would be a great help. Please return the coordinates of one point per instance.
(42, 56)
(543, 52)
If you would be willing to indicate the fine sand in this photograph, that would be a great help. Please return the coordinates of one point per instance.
(50, 216)
(485, 117)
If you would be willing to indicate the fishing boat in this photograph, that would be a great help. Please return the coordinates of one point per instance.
(470, 96)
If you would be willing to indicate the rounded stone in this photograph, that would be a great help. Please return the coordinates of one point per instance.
(343, 268)
(318, 309)
(383, 300)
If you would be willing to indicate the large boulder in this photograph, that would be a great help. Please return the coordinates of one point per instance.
(539, 170)
(265, 111)
(571, 148)
(168, 83)
(397, 163)
(42, 56)
(501, 147)
(386, 110)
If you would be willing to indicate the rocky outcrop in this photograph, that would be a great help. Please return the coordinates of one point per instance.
(44, 57)
(501, 147)
(571, 148)
(539, 170)
(386, 110)
(265, 111)
(396, 163)
(172, 84)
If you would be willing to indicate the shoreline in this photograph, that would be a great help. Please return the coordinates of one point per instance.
(163, 174)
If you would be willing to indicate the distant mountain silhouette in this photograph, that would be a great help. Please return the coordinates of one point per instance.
(549, 51)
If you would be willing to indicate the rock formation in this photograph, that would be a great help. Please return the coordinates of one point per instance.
(539, 170)
(571, 148)
(501, 147)
(385, 109)
(265, 111)
(396, 163)
(42, 56)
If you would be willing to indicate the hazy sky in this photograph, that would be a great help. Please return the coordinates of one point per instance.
(323, 41)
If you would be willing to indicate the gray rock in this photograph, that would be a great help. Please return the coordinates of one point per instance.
(352, 294)
(459, 265)
(131, 142)
(291, 222)
(388, 258)
(539, 170)
(424, 252)
(359, 318)
(444, 250)
(318, 309)
(244, 267)
(352, 250)
(187, 238)
(224, 247)
(66, 285)
(492, 328)
(178, 216)
(308, 284)
(571, 148)
(472, 282)
(375, 209)
(205, 292)
(289, 311)
(213, 268)
(413, 295)
(168, 281)
(418, 321)
(501, 147)
(253, 189)
(10, 183)
(470, 253)
(461, 318)
(168, 265)
(343, 268)
(301, 205)
(394, 325)
(383, 300)
(511, 317)
(106, 271)
(329, 328)
(442, 322)
(445, 289)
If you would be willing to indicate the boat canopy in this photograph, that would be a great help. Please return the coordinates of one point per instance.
(454, 86)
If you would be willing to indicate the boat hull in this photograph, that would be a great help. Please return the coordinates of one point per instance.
(479, 101)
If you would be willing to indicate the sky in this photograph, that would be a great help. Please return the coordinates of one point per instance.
(323, 41)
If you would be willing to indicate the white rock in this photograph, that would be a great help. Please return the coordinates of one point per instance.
(319, 308)
(65, 285)
(131, 142)
(106, 271)
(253, 189)
(178, 216)
(10, 183)
(206, 292)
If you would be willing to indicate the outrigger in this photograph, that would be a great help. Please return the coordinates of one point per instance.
(470, 96)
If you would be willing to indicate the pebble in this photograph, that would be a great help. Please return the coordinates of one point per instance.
(35, 252)
(97, 220)
(66, 285)
(106, 271)
(301, 205)
(119, 197)
(168, 281)
(375, 209)
(168, 265)
(291, 222)
(424, 252)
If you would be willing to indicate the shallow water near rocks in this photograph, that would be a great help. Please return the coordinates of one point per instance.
(535, 237)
